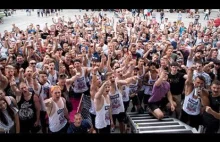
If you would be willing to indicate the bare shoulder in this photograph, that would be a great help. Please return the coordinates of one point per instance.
(64, 100)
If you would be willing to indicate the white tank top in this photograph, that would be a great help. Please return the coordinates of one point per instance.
(57, 121)
(116, 101)
(10, 124)
(102, 118)
(90, 77)
(53, 78)
(80, 85)
(142, 77)
(148, 89)
(191, 106)
(125, 93)
(92, 108)
(133, 88)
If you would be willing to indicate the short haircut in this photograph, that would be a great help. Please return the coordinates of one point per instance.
(174, 64)
(9, 67)
(76, 60)
(78, 114)
(201, 78)
(199, 62)
(216, 82)
(43, 72)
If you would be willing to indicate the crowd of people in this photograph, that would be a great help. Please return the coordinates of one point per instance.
(81, 75)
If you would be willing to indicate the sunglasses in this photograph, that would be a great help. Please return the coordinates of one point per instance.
(32, 63)
(62, 76)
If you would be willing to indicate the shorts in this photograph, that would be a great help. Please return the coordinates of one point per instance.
(120, 117)
(135, 100)
(160, 104)
(146, 98)
(126, 105)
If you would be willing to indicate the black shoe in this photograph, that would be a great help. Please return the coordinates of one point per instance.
(133, 109)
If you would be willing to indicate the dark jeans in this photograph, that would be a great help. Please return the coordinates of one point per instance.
(44, 121)
(192, 120)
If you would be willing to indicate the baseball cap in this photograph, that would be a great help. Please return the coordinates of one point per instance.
(179, 59)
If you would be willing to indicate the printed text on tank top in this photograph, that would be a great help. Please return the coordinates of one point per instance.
(80, 85)
(59, 110)
(106, 106)
(133, 88)
(191, 105)
(125, 93)
(103, 115)
(115, 98)
(107, 115)
(26, 111)
(150, 83)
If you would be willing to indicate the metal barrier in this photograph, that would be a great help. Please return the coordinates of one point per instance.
(146, 123)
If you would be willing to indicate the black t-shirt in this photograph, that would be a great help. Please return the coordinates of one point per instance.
(24, 65)
(182, 71)
(44, 35)
(83, 128)
(176, 83)
(218, 74)
(208, 119)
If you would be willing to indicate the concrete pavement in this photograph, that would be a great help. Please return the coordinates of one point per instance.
(21, 19)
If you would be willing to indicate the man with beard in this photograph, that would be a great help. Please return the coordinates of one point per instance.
(141, 73)
(9, 74)
(149, 79)
(196, 97)
(197, 57)
(21, 63)
(135, 55)
(116, 98)
(80, 87)
(211, 116)
(29, 108)
(42, 88)
(134, 87)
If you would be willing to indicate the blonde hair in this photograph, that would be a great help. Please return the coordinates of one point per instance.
(54, 87)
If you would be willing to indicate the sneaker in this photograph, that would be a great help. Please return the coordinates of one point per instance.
(113, 129)
(133, 109)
